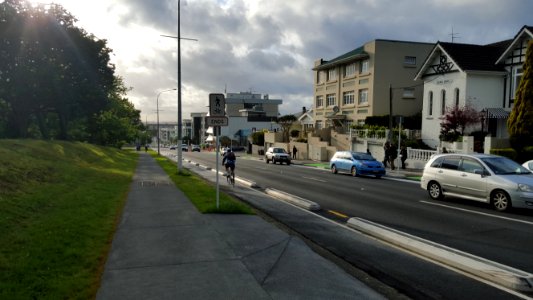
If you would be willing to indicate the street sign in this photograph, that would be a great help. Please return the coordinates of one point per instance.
(216, 121)
(217, 105)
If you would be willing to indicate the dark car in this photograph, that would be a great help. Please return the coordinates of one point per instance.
(356, 163)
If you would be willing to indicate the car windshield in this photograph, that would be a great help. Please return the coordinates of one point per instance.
(504, 166)
(279, 150)
(362, 156)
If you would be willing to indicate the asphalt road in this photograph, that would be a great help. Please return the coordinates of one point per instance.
(400, 204)
(506, 238)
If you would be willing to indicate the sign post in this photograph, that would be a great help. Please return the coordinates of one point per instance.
(217, 117)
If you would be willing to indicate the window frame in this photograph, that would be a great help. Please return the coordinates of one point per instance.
(330, 100)
(360, 100)
(364, 66)
(348, 98)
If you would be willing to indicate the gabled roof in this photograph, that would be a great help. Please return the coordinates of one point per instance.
(355, 54)
(468, 57)
(476, 57)
(526, 30)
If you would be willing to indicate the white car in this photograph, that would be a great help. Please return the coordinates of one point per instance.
(480, 177)
(276, 154)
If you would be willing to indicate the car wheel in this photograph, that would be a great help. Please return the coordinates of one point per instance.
(273, 161)
(500, 200)
(378, 176)
(435, 191)
(267, 161)
(354, 171)
(334, 169)
(288, 163)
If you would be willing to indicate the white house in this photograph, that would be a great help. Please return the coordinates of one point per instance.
(481, 76)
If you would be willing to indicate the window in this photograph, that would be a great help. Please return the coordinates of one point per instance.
(349, 70)
(410, 60)
(430, 104)
(408, 92)
(471, 166)
(363, 96)
(348, 98)
(517, 76)
(320, 77)
(319, 101)
(318, 125)
(443, 102)
(363, 66)
(451, 162)
(332, 74)
(457, 97)
(330, 99)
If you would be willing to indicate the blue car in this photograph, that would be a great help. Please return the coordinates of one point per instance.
(356, 163)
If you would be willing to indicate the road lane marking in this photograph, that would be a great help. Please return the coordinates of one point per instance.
(338, 214)
(315, 179)
(477, 212)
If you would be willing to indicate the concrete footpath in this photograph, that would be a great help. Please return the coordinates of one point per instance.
(165, 249)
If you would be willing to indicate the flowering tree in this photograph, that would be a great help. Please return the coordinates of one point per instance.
(455, 120)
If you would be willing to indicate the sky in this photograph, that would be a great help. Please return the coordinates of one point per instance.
(268, 46)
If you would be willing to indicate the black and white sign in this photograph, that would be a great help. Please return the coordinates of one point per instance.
(217, 105)
(216, 121)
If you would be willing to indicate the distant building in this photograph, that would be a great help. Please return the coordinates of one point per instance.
(355, 85)
(248, 112)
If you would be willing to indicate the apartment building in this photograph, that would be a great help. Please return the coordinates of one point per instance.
(357, 84)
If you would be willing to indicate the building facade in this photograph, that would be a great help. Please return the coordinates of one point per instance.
(357, 84)
(484, 77)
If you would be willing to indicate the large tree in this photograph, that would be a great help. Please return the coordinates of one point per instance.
(520, 122)
(55, 76)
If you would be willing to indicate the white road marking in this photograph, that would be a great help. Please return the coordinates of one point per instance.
(315, 179)
(477, 212)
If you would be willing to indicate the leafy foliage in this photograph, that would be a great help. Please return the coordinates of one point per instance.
(286, 122)
(455, 121)
(57, 81)
(520, 122)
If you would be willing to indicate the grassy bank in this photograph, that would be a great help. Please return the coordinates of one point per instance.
(201, 193)
(59, 203)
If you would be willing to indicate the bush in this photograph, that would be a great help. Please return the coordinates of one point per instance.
(295, 133)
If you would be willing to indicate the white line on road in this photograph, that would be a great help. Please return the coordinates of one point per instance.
(478, 213)
(315, 179)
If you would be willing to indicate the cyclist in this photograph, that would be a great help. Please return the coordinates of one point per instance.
(229, 161)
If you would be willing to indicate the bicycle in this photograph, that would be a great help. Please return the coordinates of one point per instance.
(230, 177)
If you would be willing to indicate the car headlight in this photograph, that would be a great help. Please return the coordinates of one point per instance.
(525, 188)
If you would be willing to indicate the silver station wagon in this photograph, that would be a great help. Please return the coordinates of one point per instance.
(480, 177)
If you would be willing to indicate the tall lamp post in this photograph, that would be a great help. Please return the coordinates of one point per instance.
(179, 38)
(157, 106)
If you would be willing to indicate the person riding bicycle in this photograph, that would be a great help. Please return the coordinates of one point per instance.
(229, 161)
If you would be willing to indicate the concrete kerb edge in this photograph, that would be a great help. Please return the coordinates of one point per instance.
(494, 272)
(295, 200)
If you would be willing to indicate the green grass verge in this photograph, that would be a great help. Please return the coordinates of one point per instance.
(318, 165)
(201, 193)
(59, 205)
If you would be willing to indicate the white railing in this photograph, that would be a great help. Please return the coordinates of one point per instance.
(420, 154)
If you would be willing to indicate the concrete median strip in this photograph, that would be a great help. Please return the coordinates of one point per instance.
(491, 271)
(295, 200)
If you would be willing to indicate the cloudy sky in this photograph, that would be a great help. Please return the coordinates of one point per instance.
(269, 46)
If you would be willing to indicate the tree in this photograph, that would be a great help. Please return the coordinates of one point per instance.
(455, 121)
(286, 122)
(57, 80)
(520, 122)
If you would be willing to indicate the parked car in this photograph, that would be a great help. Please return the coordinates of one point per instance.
(528, 165)
(173, 147)
(276, 154)
(480, 177)
(195, 148)
(184, 148)
(356, 163)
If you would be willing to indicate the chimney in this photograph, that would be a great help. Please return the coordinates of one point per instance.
(304, 110)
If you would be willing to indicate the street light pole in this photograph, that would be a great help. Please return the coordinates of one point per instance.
(179, 38)
(157, 109)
